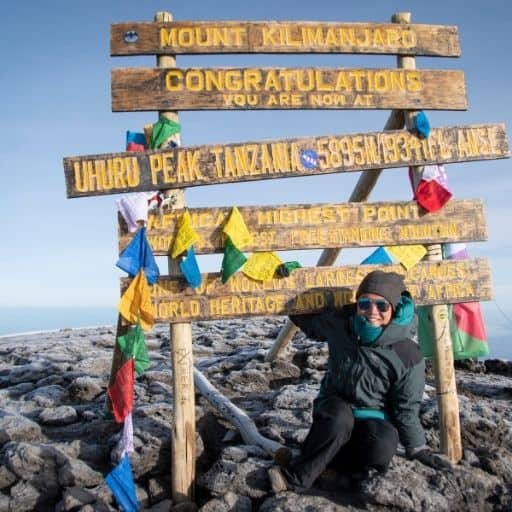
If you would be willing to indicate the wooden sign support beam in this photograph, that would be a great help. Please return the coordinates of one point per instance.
(361, 192)
(442, 358)
(183, 431)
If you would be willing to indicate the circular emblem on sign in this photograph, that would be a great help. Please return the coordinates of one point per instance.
(309, 159)
(130, 36)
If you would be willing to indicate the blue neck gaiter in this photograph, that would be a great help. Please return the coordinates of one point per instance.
(367, 333)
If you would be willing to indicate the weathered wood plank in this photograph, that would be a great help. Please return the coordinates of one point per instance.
(136, 89)
(319, 226)
(308, 290)
(115, 173)
(204, 37)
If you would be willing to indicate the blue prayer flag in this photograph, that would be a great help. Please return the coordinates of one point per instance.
(120, 481)
(138, 255)
(190, 269)
(422, 124)
(379, 256)
(135, 138)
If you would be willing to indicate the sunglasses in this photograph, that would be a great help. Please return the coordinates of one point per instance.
(364, 304)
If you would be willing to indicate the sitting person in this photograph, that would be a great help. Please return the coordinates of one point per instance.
(370, 396)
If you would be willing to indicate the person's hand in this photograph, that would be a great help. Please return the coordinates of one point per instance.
(433, 460)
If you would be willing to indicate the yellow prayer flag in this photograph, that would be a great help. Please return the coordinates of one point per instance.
(407, 255)
(236, 229)
(262, 265)
(186, 235)
(136, 301)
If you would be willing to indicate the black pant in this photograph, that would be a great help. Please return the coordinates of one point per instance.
(338, 441)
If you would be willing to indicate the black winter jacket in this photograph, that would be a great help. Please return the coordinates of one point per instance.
(388, 375)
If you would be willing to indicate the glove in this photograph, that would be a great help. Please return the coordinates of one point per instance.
(432, 460)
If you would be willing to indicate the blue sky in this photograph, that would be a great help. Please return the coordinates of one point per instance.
(55, 85)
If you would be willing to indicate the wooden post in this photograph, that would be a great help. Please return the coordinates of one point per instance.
(442, 358)
(361, 191)
(183, 432)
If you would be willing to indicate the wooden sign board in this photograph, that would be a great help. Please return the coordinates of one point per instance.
(136, 89)
(115, 173)
(203, 37)
(319, 226)
(308, 290)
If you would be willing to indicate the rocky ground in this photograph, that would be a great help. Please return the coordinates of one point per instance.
(57, 444)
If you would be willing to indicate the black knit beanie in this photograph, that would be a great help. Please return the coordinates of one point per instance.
(389, 285)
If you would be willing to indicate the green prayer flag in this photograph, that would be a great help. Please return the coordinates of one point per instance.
(291, 265)
(286, 268)
(132, 345)
(463, 344)
(233, 259)
(162, 130)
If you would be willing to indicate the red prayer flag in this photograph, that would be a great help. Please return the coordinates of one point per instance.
(431, 195)
(121, 391)
(469, 319)
(132, 146)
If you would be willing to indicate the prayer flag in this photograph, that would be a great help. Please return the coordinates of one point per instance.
(120, 481)
(377, 257)
(127, 437)
(135, 138)
(135, 141)
(162, 130)
(467, 324)
(236, 229)
(233, 259)
(186, 235)
(154, 200)
(262, 265)
(136, 302)
(422, 125)
(133, 208)
(467, 328)
(121, 391)
(407, 255)
(430, 187)
(190, 269)
(455, 251)
(132, 345)
(131, 146)
(467, 331)
(285, 269)
(138, 255)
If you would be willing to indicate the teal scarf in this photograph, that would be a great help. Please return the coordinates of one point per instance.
(368, 333)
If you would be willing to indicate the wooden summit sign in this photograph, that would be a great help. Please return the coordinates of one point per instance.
(308, 290)
(286, 88)
(318, 226)
(202, 37)
(247, 161)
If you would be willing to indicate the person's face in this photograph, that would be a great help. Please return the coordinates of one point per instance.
(375, 308)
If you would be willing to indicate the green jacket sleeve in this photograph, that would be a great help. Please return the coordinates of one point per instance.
(405, 401)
